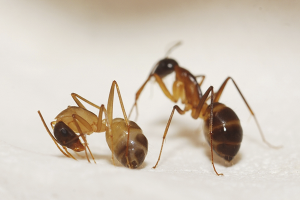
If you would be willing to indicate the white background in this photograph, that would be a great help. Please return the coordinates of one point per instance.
(49, 49)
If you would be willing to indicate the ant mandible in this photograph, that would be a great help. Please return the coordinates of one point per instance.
(222, 128)
(124, 138)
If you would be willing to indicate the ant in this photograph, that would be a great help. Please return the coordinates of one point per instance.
(124, 138)
(222, 128)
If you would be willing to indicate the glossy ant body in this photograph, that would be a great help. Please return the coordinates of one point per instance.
(124, 138)
(222, 128)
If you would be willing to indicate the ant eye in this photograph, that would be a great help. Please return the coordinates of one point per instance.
(61, 130)
(65, 135)
(64, 132)
(170, 65)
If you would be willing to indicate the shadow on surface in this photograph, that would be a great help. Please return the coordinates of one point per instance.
(107, 158)
(196, 138)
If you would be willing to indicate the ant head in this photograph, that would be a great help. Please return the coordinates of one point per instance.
(164, 67)
(65, 136)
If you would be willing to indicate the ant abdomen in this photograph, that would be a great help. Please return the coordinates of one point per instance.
(227, 131)
(137, 146)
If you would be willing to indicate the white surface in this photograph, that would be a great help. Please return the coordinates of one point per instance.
(49, 49)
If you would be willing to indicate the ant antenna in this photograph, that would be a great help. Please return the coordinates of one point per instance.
(173, 47)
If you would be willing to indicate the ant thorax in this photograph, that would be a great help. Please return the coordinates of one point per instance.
(66, 117)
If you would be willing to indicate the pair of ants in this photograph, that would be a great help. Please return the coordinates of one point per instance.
(222, 128)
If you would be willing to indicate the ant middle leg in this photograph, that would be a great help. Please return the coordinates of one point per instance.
(218, 95)
(76, 119)
(166, 130)
(196, 113)
(101, 125)
(76, 98)
(202, 79)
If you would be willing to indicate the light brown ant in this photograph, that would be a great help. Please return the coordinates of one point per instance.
(124, 138)
(222, 128)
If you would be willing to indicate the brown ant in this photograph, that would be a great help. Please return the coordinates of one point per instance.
(222, 128)
(124, 138)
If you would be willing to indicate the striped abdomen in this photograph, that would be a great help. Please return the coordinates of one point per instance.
(227, 131)
(138, 143)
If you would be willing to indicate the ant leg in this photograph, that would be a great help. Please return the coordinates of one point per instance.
(137, 95)
(65, 148)
(218, 95)
(202, 80)
(88, 126)
(195, 114)
(179, 92)
(110, 114)
(54, 140)
(100, 124)
(111, 102)
(181, 112)
(76, 98)
(199, 112)
(162, 87)
(159, 81)
(101, 127)
(52, 124)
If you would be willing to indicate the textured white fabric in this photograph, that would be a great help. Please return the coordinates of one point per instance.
(49, 49)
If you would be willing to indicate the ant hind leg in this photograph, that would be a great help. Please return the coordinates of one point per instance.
(218, 95)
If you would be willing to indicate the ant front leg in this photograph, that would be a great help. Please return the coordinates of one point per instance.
(137, 95)
(181, 112)
(218, 95)
(162, 87)
(66, 153)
